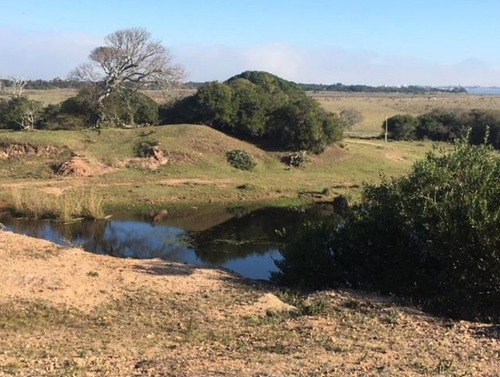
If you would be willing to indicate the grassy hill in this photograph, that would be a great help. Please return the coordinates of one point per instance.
(196, 170)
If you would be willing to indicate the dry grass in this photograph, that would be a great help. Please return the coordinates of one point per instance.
(71, 204)
(155, 318)
(197, 171)
(375, 107)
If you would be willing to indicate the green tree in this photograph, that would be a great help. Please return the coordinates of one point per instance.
(21, 113)
(303, 125)
(401, 127)
(252, 108)
(127, 107)
(261, 107)
(215, 105)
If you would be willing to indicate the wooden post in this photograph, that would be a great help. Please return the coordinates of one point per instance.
(386, 128)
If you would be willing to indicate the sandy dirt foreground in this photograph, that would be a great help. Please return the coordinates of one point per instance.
(65, 312)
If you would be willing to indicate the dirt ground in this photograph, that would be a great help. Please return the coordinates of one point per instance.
(66, 312)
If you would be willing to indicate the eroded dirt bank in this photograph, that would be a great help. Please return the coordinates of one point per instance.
(65, 312)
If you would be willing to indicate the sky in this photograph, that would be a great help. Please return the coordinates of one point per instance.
(373, 42)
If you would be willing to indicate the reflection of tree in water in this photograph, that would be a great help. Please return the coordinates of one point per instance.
(255, 233)
(126, 239)
(248, 233)
(145, 241)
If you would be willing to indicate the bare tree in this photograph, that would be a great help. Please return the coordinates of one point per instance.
(130, 58)
(15, 87)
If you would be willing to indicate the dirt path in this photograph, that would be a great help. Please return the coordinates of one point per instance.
(65, 312)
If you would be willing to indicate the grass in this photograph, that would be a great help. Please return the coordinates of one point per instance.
(376, 106)
(71, 204)
(154, 333)
(197, 172)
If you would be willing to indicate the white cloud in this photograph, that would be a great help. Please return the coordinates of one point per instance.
(42, 55)
(331, 65)
(50, 54)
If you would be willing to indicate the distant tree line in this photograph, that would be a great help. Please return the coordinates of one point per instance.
(411, 89)
(58, 83)
(447, 125)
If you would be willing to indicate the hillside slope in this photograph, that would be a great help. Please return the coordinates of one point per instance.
(194, 170)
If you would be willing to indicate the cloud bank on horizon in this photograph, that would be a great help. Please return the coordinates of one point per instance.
(47, 55)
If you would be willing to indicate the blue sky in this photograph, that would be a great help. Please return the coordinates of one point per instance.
(440, 42)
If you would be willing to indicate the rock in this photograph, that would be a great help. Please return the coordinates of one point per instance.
(158, 215)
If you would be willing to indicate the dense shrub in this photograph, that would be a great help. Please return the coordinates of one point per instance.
(261, 107)
(448, 125)
(401, 127)
(431, 236)
(350, 117)
(240, 159)
(20, 113)
(146, 148)
(295, 159)
(124, 108)
(442, 125)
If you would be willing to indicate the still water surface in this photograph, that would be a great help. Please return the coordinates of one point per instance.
(242, 240)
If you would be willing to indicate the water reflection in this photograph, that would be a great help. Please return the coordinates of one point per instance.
(244, 241)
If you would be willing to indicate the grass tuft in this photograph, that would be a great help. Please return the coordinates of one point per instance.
(72, 204)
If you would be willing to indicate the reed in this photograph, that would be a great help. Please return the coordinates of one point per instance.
(70, 205)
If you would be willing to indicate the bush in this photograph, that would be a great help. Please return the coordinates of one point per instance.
(431, 236)
(448, 125)
(260, 107)
(240, 159)
(20, 113)
(296, 159)
(350, 117)
(146, 148)
(303, 125)
(125, 108)
(401, 127)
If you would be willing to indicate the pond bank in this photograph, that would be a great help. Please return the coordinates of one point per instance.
(67, 312)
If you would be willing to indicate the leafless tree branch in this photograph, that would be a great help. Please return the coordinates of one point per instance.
(15, 88)
(129, 57)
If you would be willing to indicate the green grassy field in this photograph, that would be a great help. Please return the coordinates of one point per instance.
(197, 171)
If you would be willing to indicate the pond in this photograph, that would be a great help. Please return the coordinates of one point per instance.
(239, 239)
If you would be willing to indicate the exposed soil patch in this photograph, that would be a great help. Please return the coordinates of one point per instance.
(79, 166)
(155, 159)
(23, 150)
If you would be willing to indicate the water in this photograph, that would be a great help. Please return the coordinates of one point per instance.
(244, 241)
(487, 91)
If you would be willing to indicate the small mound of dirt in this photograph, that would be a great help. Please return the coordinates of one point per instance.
(80, 167)
(268, 303)
(156, 159)
(10, 150)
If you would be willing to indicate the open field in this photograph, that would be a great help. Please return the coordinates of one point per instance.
(375, 107)
(65, 312)
(196, 170)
